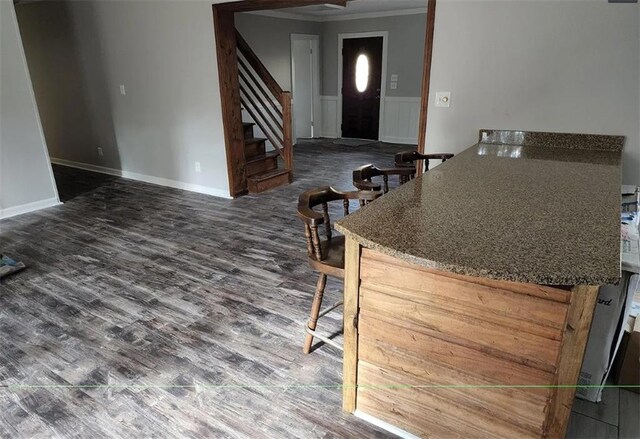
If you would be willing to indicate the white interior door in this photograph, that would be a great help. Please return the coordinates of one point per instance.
(305, 84)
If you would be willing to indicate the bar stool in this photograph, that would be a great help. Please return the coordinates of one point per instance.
(325, 255)
(408, 158)
(363, 177)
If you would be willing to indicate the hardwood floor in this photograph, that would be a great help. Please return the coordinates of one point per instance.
(147, 311)
(197, 302)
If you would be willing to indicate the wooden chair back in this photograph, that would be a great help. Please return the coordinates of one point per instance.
(363, 177)
(408, 158)
(312, 219)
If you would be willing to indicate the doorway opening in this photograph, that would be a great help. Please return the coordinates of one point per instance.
(362, 67)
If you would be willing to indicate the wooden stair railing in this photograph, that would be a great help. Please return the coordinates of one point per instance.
(265, 101)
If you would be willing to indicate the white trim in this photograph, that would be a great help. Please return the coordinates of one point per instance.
(400, 140)
(285, 15)
(342, 17)
(316, 121)
(35, 105)
(29, 207)
(383, 79)
(384, 425)
(364, 15)
(145, 178)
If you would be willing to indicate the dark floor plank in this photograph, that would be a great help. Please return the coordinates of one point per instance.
(629, 423)
(197, 302)
(605, 411)
(584, 427)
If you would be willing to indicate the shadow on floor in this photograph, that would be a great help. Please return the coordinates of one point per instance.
(72, 182)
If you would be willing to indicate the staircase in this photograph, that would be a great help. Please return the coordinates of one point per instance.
(262, 168)
(270, 108)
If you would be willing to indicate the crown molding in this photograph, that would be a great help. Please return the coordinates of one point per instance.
(345, 17)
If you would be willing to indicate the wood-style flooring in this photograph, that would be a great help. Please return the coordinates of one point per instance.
(147, 311)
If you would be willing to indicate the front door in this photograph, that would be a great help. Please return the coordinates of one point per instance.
(361, 83)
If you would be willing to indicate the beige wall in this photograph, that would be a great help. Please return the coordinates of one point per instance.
(26, 180)
(536, 65)
(164, 55)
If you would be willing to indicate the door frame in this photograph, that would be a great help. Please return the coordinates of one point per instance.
(316, 121)
(225, 47)
(383, 76)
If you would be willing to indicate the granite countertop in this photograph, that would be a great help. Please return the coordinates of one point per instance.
(520, 206)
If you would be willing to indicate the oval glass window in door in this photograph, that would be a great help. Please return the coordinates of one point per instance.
(362, 73)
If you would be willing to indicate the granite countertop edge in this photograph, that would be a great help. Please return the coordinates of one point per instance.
(477, 272)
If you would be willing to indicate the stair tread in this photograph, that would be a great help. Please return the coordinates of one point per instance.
(265, 156)
(268, 175)
(254, 140)
(248, 124)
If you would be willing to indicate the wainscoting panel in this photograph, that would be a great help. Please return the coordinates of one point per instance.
(329, 116)
(400, 120)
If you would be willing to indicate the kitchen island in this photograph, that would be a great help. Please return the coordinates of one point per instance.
(469, 291)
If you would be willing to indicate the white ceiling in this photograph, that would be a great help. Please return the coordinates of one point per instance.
(359, 7)
(354, 9)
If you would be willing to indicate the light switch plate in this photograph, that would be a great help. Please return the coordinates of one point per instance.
(122, 90)
(394, 85)
(443, 99)
(394, 78)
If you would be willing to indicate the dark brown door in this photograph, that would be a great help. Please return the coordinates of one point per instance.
(361, 81)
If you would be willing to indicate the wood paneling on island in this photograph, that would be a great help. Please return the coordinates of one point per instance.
(442, 354)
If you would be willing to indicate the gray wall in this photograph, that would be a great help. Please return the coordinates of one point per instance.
(164, 54)
(56, 74)
(405, 51)
(270, 39)
(531, 65)
(25, 171)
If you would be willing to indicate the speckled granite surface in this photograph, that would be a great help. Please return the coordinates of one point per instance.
(552, 140)
(512, 212)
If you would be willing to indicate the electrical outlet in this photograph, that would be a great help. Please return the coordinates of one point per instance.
(122, 90)
(198, 168)
(100, 153)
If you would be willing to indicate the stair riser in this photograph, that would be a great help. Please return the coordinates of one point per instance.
(252, 150)
(248, 132)
(262, 166)
(265, 185)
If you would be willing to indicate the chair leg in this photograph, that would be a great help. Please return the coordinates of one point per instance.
(315, 310)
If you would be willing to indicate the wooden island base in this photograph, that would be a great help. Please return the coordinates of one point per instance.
(439, 354)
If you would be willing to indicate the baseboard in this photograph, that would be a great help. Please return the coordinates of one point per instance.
(384, 425)
(329, 135)
(400, 140)
(144, 178)
(29, 207)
